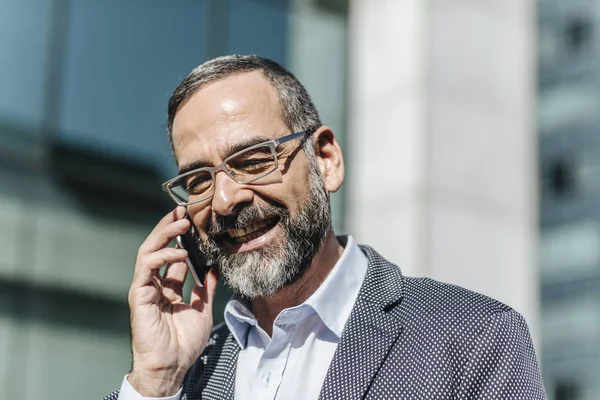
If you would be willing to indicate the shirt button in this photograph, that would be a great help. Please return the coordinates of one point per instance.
(266, 379)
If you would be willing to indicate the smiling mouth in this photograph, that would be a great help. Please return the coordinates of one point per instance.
(251, 231)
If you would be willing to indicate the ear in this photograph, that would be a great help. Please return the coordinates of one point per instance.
(329, 157)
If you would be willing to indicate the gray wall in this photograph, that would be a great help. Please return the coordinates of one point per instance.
(443, 142)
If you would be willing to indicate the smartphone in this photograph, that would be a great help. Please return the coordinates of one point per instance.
(196, 261)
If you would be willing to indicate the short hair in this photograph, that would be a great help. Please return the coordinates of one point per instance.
(297, 109)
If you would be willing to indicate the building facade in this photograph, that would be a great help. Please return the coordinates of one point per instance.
(432, 101)
(83, 151)
(569, 149)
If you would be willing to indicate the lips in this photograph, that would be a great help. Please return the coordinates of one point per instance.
(251, 231)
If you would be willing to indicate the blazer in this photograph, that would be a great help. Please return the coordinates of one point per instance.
(406, 338)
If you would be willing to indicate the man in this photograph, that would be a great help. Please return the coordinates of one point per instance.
(313, 315)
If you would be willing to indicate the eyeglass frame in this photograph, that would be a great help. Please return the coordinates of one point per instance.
(273, 144)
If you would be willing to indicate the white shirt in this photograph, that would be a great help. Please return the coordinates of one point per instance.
(293, 363)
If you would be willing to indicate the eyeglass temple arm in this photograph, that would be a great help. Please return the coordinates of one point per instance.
(290, 137)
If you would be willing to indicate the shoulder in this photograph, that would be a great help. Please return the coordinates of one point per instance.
(465, 337)
(422, 295)
(430, 304)
(461, 319)
(468, 326)
(429, 295)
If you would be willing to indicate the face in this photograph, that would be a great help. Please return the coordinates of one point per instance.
(261, 236)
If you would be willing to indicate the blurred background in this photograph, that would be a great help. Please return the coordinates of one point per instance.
(470, 132)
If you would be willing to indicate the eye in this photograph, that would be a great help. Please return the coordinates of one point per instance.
(254, 163)
(199, 183)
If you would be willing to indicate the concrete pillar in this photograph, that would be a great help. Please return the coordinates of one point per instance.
(442, 142)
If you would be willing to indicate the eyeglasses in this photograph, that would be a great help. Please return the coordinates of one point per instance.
(245, 166)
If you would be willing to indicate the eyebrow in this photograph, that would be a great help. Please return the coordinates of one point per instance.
(231, 149)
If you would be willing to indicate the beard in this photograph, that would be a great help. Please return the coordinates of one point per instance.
(264, 271)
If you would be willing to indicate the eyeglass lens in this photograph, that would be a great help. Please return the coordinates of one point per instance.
(244, 167)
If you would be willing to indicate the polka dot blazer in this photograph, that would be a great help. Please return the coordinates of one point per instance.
(406, 338)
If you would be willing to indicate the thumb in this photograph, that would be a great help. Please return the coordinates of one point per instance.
(203, 296)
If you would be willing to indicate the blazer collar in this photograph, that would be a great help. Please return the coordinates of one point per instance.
(372, 330)
(384, 283)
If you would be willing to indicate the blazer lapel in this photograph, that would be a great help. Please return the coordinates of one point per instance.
(372, 330)
(219, 375)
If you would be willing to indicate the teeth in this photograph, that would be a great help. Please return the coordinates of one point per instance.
(237, 233)
(248, 232)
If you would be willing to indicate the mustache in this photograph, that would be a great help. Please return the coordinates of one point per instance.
(249, 213)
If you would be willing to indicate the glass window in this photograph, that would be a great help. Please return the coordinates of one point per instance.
(23, 50)
(566, 105)
(122, 64)
(570, 247)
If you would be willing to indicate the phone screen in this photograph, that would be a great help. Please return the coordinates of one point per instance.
(196, 261)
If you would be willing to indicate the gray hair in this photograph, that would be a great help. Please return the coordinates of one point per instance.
(297, 109)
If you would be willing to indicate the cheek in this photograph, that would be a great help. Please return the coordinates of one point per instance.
(290, 193)
(200, 215)
(299, 183)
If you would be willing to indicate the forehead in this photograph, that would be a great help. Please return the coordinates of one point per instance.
(225, 112)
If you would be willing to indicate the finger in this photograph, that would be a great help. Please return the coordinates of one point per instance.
(176, 214)
(147, 266)
(173, 280)
(211, 281)
(176, 272)
(172, 290)
(202, 297)
(162, 235)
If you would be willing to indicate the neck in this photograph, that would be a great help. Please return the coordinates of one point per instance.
(266, 309)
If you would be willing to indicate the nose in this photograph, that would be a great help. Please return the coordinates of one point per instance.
(229, 194)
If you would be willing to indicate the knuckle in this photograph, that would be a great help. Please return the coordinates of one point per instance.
(143, 249)
(143, 260)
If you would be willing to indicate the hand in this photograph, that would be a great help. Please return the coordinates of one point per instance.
(168, 335)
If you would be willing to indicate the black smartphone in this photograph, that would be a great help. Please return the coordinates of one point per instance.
(196, 261)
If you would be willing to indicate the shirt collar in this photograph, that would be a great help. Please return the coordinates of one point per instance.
(332, 301)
